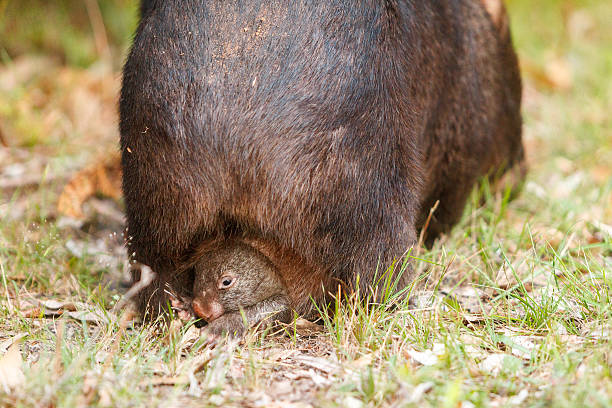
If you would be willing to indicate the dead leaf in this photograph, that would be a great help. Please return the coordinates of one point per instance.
(75, 310)
(89, 316)
(321, 364)
(30, 180)
(190, 336)
(520, 398)
(352, 402)
(103, 177)
(427, 357)
(305, 327)
(363, 361)
(419, 391)
(492, 364)
(523, 347)
(11, 375)
(307, 374)
(56, 305)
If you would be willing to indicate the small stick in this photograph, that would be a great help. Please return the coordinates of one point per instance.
(8, 297)
(97, 24)
(3, 141)
(146, 277)
(57, 366)
(424, 229)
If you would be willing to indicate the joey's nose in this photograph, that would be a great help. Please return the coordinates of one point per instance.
(208, 311)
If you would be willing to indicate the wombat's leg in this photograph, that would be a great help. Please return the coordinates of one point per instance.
(455, 193)
(450, 208)
(512, 178)
(266, 312)
(182, 308)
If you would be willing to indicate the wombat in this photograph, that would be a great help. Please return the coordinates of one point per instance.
(326, 130)
(233, 282)
(238, 279)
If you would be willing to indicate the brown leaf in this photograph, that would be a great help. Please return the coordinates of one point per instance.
(427, 357)
(321, 364)
(305, 327)
(492, 364)
(77, 311)
(103, 177)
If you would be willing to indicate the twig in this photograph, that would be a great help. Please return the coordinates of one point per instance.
(8, 297)
(424, 229)
(146, 277)
(3, 141)
(57, 366)
(99, 31)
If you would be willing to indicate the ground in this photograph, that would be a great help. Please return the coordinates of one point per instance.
(513, 307)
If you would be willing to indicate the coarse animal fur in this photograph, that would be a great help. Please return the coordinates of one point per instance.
(326, 130)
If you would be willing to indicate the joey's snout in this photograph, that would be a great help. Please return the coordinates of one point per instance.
(207, 309)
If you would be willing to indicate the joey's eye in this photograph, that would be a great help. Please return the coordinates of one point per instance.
(226, 282)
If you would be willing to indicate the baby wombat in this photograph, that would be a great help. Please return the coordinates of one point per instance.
(236, 282)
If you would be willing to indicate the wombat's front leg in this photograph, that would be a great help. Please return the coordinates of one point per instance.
(275, 308)
(182, 307)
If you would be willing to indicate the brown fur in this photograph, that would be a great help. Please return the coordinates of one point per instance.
(325, 130)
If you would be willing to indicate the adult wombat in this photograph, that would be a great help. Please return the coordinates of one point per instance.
(325, 129)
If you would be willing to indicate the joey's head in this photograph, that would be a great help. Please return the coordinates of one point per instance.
(232, 277)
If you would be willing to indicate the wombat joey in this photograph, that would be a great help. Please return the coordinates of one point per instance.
(236, 286)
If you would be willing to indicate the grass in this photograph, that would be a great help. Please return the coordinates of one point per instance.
(514, 307)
